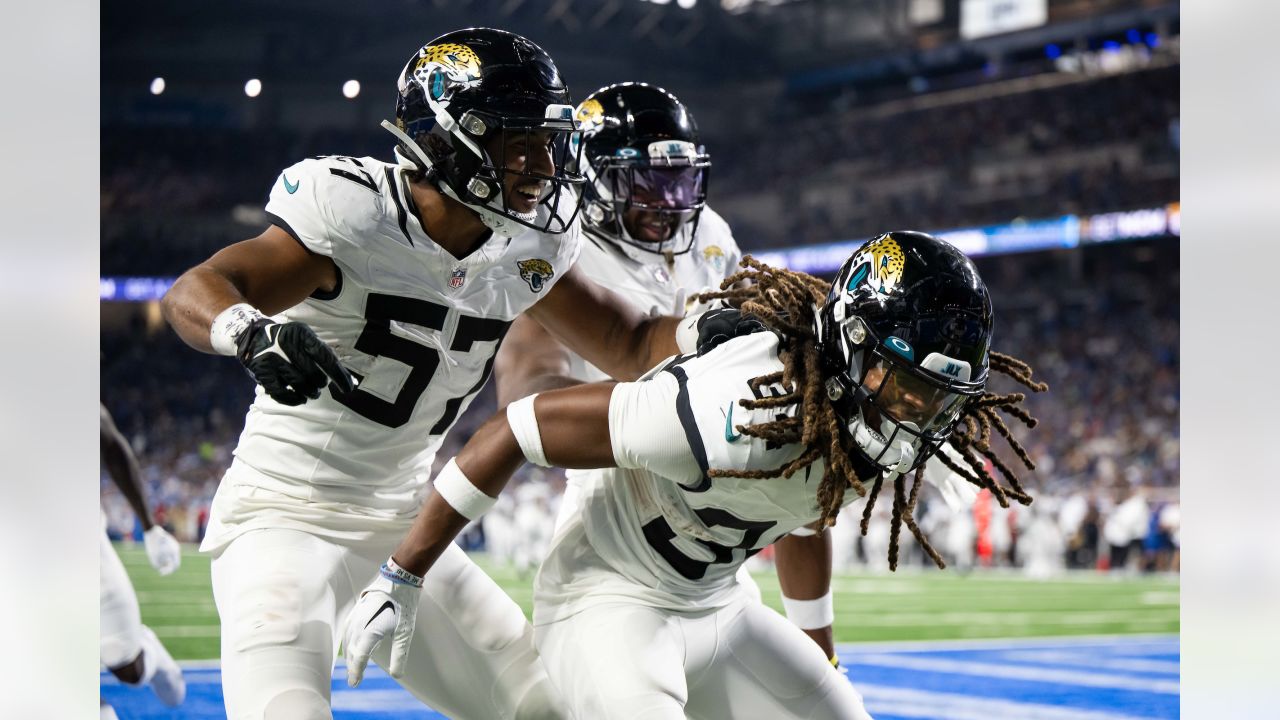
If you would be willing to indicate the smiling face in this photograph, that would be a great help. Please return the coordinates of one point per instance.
(520, 155)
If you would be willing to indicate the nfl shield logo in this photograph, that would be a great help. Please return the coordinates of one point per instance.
(457, 277)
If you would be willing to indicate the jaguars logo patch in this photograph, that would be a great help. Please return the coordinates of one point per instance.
(457, 64)
(590, 115)
(537, 272)
(879, 265)
(715, 258)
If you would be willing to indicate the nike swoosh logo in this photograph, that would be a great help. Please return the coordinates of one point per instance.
(729, 434)
(291, 187)
(385, 606)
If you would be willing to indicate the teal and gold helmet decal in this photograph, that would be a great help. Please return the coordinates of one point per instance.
(879, 264)
(537, 272)
(590, 115)
(457, 63)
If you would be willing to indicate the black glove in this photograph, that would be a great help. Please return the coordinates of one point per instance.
(717, 326)
(289, 361)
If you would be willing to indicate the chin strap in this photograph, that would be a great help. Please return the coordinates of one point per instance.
(497, 222)
(875, 447)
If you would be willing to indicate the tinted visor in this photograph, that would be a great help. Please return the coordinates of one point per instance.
(664, 188)
(892, 393)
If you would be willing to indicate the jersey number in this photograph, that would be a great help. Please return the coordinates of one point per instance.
(659, 534)
(376, 339)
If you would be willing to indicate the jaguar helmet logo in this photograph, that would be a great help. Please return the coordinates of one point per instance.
(445, 67)
(879, 265)
(590, 115)
(537, 272)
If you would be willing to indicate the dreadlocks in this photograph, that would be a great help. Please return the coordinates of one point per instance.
(785, 301)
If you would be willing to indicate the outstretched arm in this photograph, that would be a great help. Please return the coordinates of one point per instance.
(122, 466)
(574, 428)
(605, 329)
(804, 572)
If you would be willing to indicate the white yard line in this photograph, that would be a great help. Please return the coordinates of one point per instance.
(1091, 660)
(949, 706)
(1013, 672)
(1160, 641)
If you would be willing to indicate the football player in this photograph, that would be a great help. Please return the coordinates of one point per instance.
(131, 650)
(716, 455)
(369, 313)
(650, 235)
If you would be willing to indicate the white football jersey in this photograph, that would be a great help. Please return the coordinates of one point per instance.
(646, 280)
(416, 326)
(661, 521)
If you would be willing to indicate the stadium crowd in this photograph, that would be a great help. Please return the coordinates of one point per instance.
(812, 173)
(1099, 324)
(1092, 146)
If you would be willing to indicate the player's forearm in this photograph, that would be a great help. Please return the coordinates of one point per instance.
(804, 573)
(637, 348)
(487, 462)
(122, 466)
(193, 302)
(661, 341)
(804, 565)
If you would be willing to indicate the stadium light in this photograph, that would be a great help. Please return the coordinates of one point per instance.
(350, 89)
(1153, 40)
(1052, 51)
(687, 4)
(1133, 36)
(157, 86)
(253, 87)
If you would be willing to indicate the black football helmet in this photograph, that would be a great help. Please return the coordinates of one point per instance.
(463, 89)
(904, 337)
(641, 150)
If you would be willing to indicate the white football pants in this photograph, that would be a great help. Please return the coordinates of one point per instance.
(625, 661)
(283, 596)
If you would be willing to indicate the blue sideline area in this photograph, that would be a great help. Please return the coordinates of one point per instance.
(1128, 678)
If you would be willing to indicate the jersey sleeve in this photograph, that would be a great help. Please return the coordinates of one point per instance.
(645, 430)
(325, 204)
(296, 206)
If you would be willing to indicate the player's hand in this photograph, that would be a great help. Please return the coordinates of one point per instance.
(289, 361)
(389, 606)
(162, 550)
(717, 326)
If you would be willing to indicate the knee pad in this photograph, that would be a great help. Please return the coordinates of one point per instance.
(297, 704)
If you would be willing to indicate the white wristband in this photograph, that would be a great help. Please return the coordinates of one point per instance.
(810, 614)
(229, 325)
(463, 496)
(524, 425)
(687, 334)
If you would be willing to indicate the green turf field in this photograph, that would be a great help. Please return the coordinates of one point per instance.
(909, 605)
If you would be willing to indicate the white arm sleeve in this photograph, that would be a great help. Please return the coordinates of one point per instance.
(645, 429)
